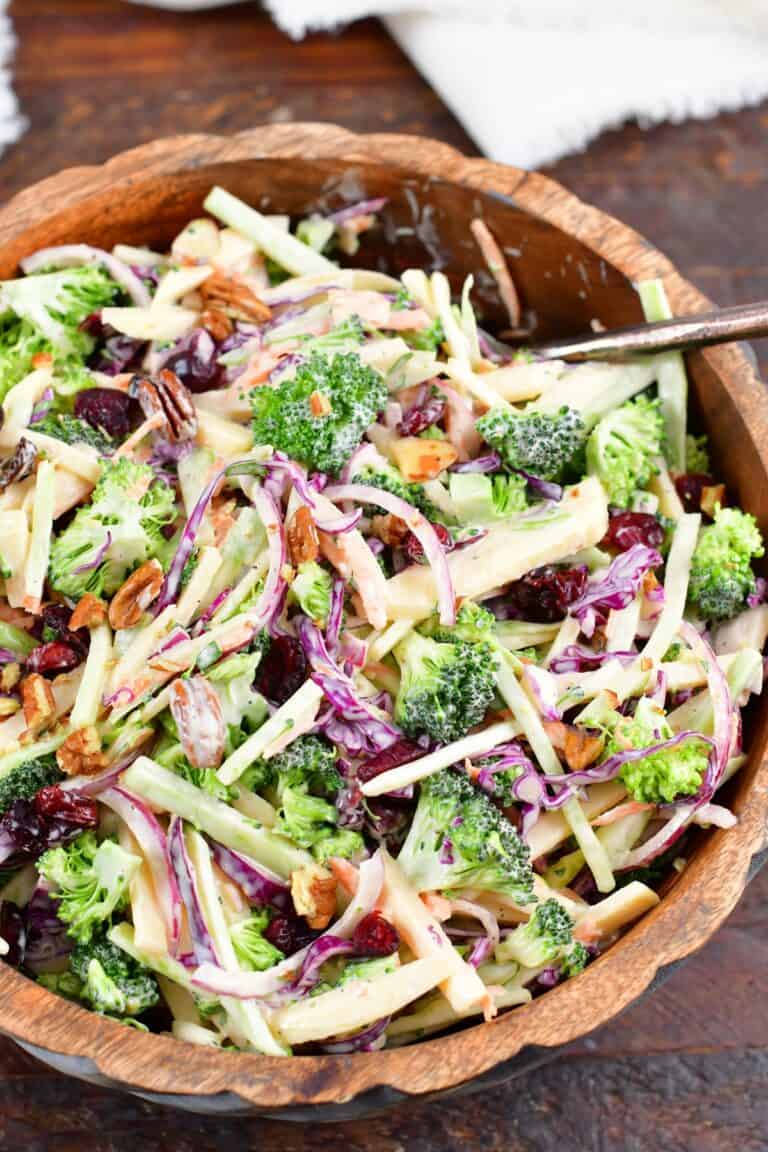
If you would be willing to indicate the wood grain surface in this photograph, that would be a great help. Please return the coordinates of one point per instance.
(684, 1069)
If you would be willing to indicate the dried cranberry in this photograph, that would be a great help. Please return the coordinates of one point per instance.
(689, 489)
(282, 670)
(626, 529)
(375, 936)
(423, 416)
(195, 361)
(414, 550)
(388, 821)
(402, 752)
(13, 931)
(58, 803)
(53, 658)
(543, 595)
(55, 621)
(289, 933)
(107, 409)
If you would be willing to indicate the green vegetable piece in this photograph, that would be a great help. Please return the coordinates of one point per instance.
(119, 530)
(621, 449)
(89, 880)
(541, 443)
(321, 433)
(459, 839)
(721, 572)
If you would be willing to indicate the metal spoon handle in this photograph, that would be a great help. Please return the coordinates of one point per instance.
(738, 323)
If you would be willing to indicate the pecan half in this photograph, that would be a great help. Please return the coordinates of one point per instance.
(235, 298)
(196, 709)
(81, 754)
(217, 323)
(38, 702)
(390, 529)
(18, 466)
(303, 540)
(313, 891)
(137, 593)
(579, 746)
(166, 396)
(88, 612)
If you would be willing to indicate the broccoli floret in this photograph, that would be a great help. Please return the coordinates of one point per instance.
(621, 448)
(43, 314)
(89, 881)
(344, 842)
(536, 442)
(446, 685)
(304, 818)
(721, 571)
(543, 938)
(308, 762)
(121, 528)
(26, 780)
(574, 961)
(169, 753)
(72, 430)
(311, 590)
(474, 625)
(319, 416)
(425, 339)
(243, 708)
(697, 454)
(663, 776)
(113, 982)
(459, 839)
(345, 337)
(254, 952)
(64, 984)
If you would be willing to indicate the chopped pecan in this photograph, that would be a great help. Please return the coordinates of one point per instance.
(18, 466)
(390, 529)
(319, 404)
(579, 746)
(712, 495)
(196, 709)
(313, 891)
(81, 754)
(217, 323)
(303, 540)
(136, 594)
(10, 676)
(38, 702)
(88, 612)
(234, 298)
(164, 395)
(582, 748)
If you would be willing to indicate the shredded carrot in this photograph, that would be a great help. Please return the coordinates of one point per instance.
(498, 268)
(344, 873)
(587, 932)
(438, 905)
(628, 808)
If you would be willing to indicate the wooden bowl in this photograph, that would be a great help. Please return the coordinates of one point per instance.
(572, 263)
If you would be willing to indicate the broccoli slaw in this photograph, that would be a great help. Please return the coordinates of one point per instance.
(360, 673)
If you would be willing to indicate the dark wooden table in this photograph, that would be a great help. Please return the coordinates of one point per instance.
(686, 1068)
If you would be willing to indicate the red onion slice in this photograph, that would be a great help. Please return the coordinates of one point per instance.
(203, 947)
(151, 839)
(422, 530)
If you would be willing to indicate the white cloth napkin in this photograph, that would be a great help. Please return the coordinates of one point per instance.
(534, 79)
(12, 124)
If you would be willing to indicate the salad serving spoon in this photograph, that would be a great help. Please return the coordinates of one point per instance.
(743, 321)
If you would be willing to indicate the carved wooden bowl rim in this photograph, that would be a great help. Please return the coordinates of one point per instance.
(684, 920)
